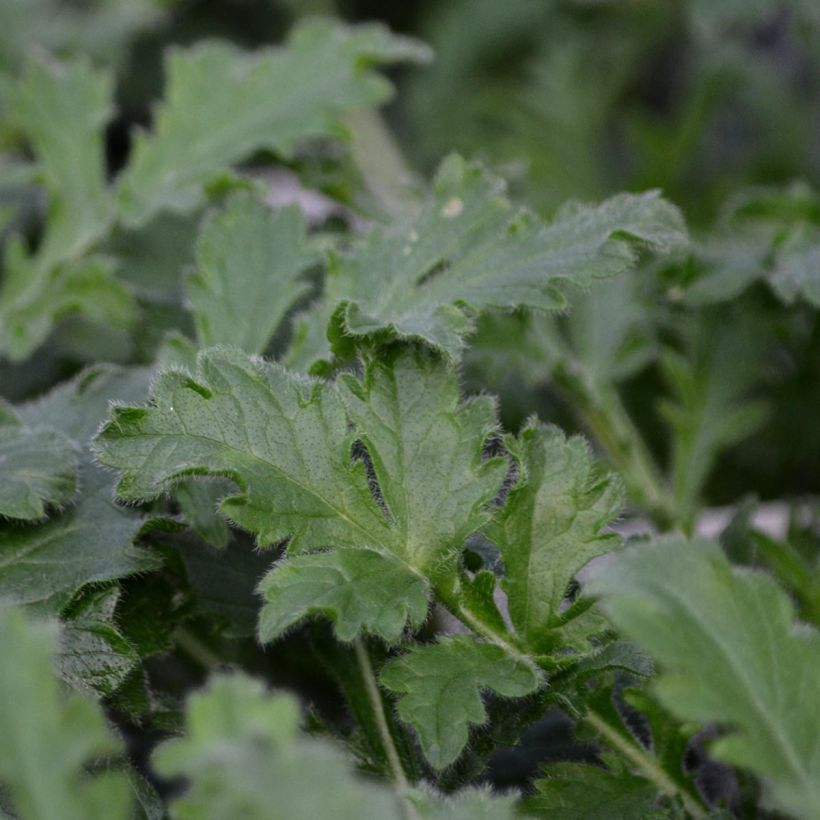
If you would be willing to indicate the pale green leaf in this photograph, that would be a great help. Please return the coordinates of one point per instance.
(243, 756)
(552, 524)
(49, 737)
(38, 468)
(46, 564)
(466, 804)
(731, 654)
(359, 590)
(249, 259)
(578, 791)
(440, 690)
(222, 105)
(469, 250)
(63, 108)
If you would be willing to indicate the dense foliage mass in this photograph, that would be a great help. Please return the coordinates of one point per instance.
(329, 492)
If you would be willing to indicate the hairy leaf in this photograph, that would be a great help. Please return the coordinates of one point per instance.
(360, 590)
(552, 524)
(39, 468)
(242, 755)
(440, 687)
(92, 654)
(45, 564)
(222, 105)
(425, 446)
(731, 653)
(468, 249)
(578, 791)
(248, 262)
(50, 737)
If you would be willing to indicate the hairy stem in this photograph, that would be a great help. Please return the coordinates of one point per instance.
(376, 703)
(645, 763)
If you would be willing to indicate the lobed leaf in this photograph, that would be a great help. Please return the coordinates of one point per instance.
(731, 653)
(222, 105)
(552, 524)
(468, 250)
(359, 590)
(248, 258)
(440, 690)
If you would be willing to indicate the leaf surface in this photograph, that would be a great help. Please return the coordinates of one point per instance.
(469, 250)
(552, 524)
(39, 468)
(222, 104)
(249, 258)
(440, 690)
(731, 653)
(360, 590)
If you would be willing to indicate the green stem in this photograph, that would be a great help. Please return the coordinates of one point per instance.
(382, 166)
(195, 649)
(608, 420)
(390, 750)
(645, 763)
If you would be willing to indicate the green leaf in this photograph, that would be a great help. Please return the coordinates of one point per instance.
(731, 653)
(359, 590)
(578, 791)
(46, 564)
(469, 250)
(466, 804)
(33, 300)
(39, 468)
(198, 501)
(92, 654)
(63, 109)
(49, 737)
(286, 441)
(552, 524)
(425, 446)
(243, 756)
(282, 438)
(249, 258)
(711, 409)
(440, 687)
(222, 105)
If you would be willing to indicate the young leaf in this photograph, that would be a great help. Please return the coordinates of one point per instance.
(360, 590)
(578, 791)
(468, 249)
(731, 654)
(551, 525)
(440, 687)
(63, 109)
(222, 105)
(39, 469)
(243, 756)
(248, 261)
(49, 737)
